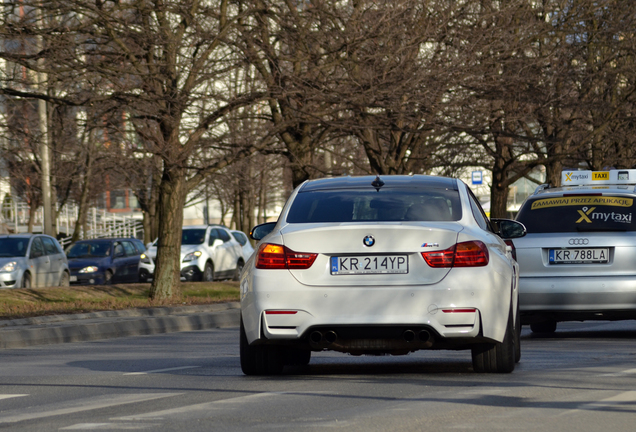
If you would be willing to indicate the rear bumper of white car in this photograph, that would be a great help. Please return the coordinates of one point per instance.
(281, 309)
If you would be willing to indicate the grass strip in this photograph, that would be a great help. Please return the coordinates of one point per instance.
(23, 303)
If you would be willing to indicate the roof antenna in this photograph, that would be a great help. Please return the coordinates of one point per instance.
(377, 183)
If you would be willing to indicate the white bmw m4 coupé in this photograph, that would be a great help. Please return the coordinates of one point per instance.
(380, 265)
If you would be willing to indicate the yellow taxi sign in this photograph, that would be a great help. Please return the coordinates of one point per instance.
(600, 175)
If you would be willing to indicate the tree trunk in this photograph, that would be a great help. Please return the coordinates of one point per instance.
(172, 194)
(553, 173)
(83, 204)
(498, 200)
(32, 210)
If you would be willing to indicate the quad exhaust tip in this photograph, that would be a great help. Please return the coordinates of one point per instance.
(329, 337)
(422, 335)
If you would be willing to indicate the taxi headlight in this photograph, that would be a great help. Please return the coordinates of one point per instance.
(89, 269)
(192, 256)
(9, 267)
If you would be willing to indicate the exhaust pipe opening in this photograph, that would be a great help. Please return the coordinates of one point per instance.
(424, 336)
(315, 337)
(331, 337)
(409, 335)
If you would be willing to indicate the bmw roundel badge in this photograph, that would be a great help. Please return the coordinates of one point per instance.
(368, 240)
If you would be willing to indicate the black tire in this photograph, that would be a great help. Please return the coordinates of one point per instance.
(517, 335)
(143, 276)
(208, 272)
(498, 357)
(26, 281)
(108, 277)
(297, 357)
(237, 272)
(544, 327)
(65, 280)
(259, 359)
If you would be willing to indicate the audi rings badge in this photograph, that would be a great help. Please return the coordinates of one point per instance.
(578, 241)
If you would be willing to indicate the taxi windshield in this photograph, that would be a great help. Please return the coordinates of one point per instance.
(578, 213)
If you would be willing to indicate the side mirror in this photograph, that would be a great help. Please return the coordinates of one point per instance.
(260, 231)
(509, 229)
(217, 242)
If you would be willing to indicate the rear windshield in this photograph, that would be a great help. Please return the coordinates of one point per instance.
(578, 213)
(388, 205)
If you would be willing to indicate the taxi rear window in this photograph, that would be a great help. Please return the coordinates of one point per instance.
(388, 205)
(578, 213)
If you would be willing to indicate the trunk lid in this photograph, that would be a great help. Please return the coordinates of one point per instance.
(392, 239)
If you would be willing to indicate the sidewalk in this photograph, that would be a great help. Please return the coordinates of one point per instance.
(56, 329)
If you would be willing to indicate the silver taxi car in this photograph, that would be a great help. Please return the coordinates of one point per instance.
(373, 266)
(577, 260)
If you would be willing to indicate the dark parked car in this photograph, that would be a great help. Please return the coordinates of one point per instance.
(104, 261)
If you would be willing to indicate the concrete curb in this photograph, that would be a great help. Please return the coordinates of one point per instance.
(112, 324)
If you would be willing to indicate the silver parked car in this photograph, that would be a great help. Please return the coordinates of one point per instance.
(32, 260)
(577, 261)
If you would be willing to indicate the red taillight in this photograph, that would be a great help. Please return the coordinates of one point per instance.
(471, 254)
(512, 246)
(273, 256)
(465, 254)
(442, 258)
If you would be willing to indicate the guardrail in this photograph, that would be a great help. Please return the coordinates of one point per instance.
(99, 222)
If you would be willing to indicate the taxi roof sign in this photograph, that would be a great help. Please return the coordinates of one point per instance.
(614, 177)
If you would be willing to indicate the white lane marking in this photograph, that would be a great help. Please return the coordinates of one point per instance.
(206, 406)
(111, 426)
(9, 396)
(87, 405)
(621, 373)
(161, 370)
(628, 396)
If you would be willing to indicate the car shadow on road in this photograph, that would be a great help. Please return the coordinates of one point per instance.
(584, 334)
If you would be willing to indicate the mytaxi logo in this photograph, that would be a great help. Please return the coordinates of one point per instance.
(584, 215)
(600, 175)
(576, 176)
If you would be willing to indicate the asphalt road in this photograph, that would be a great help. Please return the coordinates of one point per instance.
(583, 379)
